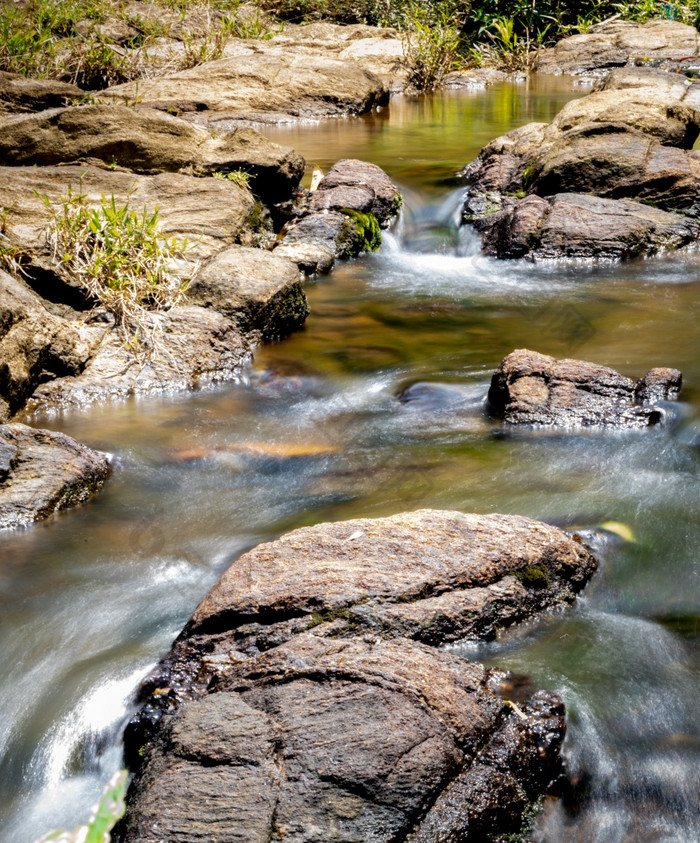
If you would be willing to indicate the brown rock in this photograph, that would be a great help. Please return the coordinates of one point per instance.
(148, 141)
(19, 94)
(618, 43)
(574, 226)
(42, 472)
(258, 290)
(359, 186)
(345, 740)
(533, 388)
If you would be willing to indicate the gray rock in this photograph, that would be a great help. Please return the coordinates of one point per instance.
(532, 388)
(258, 290)
(619, 43)
(42, 472)
(575, 226)
(148, 141)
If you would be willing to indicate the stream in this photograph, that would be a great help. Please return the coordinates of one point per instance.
(90, 599)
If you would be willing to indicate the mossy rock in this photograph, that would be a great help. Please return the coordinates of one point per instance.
(369, 235)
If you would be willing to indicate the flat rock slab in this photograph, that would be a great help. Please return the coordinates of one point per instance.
(263, 82)
(618, 43)
(578, 226)
(346, 741)
(532, 388)
(148, 141)
(42, 472)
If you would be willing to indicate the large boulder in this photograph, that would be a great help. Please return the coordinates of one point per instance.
(629, 140)
(259, 290)
(577, 225)
(42, 472)
(362, 740)
(532, 388)
(149, 141)
(357, 186)
(303, 699)
(617, 43)
(262, 82)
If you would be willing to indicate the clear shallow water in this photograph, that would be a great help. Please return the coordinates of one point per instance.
(90, 599)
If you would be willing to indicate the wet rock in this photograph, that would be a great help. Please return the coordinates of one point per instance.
(575, 225)
(258, 290)
(262, 82)
(434, 396)
(345, 740)
(618, 43)
(630, 140)
(357, 186)
(42, 472)
(20, 94)
(342, 218)
(148, 141)
(474, 78)
(533, 388)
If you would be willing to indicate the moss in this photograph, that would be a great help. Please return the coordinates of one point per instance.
(352, 620)
(530, 814)
(528, 175)
(533, 576)
(367, 228)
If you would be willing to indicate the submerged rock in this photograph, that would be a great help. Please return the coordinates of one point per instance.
(533, 388)
(42, 472)
(302, 699)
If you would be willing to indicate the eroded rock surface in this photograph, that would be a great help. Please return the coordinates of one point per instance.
(341, 218)
(533, 388)
(20, 94)
(303, 699)
(42, 471)
(618, 43)
(347, 741)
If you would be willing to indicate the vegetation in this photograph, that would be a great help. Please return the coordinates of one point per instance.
(109, 810)
(239, 177)
(118, 257)
(96, 43)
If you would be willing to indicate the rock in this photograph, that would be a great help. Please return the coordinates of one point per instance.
(347, 726)
(37, 346)
(346, 740)
(210, 214)
(263, 82)
(42, 472)
(618, 43)
(480, 77)
(575, 226)
(630, 140)
(19, 94)
(358, 186)
(341, 218)
(662, 105)
(195, 346)
(258, 290)
(533, 388)
(149, 141)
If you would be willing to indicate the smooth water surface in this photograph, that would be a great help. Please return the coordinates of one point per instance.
(93, 597)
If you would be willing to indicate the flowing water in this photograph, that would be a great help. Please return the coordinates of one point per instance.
(92, 597)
